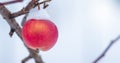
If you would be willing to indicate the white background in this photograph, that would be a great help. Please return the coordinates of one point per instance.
(85, 27)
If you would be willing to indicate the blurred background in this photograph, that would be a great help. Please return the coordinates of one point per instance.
(86, 27)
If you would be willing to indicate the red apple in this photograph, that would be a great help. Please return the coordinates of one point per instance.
(39, 34)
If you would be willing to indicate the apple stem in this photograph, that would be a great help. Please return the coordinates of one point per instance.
(24, 19)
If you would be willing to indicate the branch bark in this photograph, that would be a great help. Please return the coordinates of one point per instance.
(10, 18)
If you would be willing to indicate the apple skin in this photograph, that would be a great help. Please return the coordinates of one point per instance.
(40, 34)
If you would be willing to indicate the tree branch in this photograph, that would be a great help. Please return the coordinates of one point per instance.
(107, 49)
(24, 10)
(10, 18)
(10, 2)
(31, 5)
(26, 59)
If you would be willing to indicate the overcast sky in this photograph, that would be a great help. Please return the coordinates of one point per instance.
(85, 27)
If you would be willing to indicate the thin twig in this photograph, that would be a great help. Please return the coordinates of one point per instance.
(10, 2)
(107, 49)
(45, 5)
